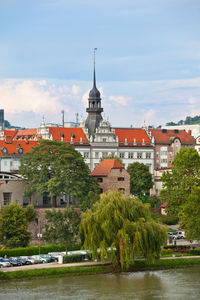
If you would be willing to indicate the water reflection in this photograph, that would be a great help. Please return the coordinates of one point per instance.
(167, 284)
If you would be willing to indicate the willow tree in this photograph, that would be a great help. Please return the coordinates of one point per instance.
(121, 228)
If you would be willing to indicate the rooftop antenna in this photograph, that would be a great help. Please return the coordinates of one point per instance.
(63, 117)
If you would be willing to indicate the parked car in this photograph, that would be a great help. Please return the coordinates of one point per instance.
(24, 261)
(179, 235)
(4, 263)
(34, 260)
(14, 262)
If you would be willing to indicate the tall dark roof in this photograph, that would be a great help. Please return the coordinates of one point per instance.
(94, 93)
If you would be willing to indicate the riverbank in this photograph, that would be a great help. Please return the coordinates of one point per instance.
(93, 268)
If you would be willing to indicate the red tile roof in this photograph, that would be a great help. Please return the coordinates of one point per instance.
(130, 135)
(105, 166)
(163, 205)
(15, 145)
(68, 134)
(166, 136)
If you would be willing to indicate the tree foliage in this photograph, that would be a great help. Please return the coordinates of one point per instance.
(14, 223)
(125, 226)
(54, 167)
(179, 183)
(140, 179)
(62, 227)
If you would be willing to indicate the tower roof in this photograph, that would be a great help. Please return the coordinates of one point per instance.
(94, 93)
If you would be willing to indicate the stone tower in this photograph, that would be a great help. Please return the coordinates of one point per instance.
(94, 110)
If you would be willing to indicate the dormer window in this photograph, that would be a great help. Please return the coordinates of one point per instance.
(73, 135)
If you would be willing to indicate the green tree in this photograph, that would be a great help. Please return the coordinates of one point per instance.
(14, 223)
(121, 228)
(190, 214)
(140, 179)
(62, 226)
(54, 167)
(179, 183)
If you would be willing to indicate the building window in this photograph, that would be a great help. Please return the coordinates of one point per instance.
(120, 178)
(121, 189)
(86, 154)
(104, 140)
(104, 154)
(121, 155)
(148, 155)
(6, 198)
(96, 154)
(46, 199)
(163, 160)
(101, 191)
(130, 155)
(100, 179)
(139, 155)
(163, 153)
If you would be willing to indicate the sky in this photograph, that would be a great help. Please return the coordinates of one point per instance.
(147, 62)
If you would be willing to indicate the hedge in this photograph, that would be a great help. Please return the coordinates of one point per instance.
(195, 251)
(27, 251)
(76, 258)
(168, 220)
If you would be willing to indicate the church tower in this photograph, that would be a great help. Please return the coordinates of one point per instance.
(94, 110)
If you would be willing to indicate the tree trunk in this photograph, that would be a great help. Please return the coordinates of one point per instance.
(53, 201)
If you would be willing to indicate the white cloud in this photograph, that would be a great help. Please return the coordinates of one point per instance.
(37, 97)
(121, 100)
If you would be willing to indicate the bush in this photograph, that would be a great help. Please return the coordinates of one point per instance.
(27, 251)
(168, 220)
(166, 251)
(195, 251)
(75, 258)
(178, 248)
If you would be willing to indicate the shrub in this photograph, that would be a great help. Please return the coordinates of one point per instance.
(195, 251)
(168, 220)
(178, 248)
(76, 258)
(34, 250)
(166, 251)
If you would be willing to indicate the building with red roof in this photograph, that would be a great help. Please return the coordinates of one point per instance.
(111, 175)
(168, 143)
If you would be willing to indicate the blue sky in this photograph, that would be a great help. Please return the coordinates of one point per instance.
(148, 59)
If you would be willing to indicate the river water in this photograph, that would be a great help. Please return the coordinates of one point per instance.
(181, 284)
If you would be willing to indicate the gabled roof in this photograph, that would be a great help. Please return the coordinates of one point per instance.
(105, 166)
(166, 136)
(163, 205)
(13, 148)
(132, 137)
(26, 134)
(69, 134)
(9, 134)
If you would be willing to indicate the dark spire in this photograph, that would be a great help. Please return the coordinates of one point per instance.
(94, 110)
(94, 93)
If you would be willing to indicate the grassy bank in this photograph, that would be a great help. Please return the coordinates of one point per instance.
(66, 271)
(165, 264)
(63, 271)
